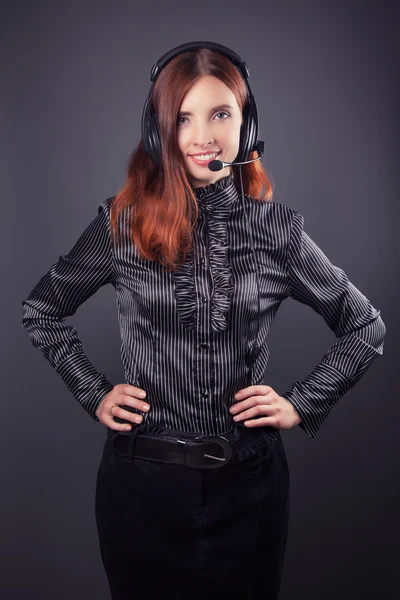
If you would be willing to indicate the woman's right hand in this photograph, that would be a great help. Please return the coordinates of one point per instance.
(109, 407)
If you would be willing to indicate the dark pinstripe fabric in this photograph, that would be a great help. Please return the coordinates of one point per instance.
(185, 334)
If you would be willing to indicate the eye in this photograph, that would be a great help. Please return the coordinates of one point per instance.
(223, 112)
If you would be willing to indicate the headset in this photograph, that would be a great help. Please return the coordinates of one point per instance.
(247, 144)
(249, 128)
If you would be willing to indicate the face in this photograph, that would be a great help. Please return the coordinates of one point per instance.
(206, 125)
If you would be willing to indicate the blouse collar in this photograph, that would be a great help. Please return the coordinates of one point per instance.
(217, 196)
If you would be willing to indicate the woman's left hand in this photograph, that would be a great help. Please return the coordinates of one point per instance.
(257, 400)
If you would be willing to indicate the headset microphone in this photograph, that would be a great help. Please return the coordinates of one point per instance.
(217, 165)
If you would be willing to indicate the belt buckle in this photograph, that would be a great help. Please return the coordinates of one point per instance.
(225, 445)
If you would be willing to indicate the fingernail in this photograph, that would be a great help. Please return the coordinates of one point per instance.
(142, 394)
(145, 407)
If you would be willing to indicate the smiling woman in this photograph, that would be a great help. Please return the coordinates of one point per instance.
(199, 98)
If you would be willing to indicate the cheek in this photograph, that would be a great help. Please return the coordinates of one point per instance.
(233, 136)
(182, 141)
(232, 142)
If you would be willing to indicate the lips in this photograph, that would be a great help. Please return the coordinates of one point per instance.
(209, 152)
(204, 162)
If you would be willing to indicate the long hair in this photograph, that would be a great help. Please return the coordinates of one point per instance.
(163, 206)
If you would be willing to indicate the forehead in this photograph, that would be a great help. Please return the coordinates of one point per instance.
(208, 93)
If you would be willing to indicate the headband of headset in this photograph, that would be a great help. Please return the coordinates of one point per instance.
(150, 126)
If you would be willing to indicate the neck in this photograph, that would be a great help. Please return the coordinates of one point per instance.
(198, 183)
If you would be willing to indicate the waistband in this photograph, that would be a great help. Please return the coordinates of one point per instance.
(237, 432)
(240, 442)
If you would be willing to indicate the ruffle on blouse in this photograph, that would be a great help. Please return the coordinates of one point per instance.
(215, 200)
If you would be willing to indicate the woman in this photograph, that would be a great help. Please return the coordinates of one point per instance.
(192, 493)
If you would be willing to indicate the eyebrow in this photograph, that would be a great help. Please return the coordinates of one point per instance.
(212, 110)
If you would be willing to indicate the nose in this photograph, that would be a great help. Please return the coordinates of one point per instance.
(202, 136)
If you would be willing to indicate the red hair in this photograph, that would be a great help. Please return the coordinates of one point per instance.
(163, 205)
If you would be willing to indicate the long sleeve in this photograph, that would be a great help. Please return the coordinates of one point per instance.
(315, 281)
(69, 282)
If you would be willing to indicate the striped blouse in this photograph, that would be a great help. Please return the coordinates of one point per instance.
(187, 335)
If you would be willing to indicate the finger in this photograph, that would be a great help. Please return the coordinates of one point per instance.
(240, 406)
(261, 390)
(109, 421)
(134, 402)
(131, 390)
(248, 403)
(262, 422)
(247, 414)
(120, 412)
(117, 426)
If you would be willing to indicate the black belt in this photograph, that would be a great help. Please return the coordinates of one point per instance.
(203, 451)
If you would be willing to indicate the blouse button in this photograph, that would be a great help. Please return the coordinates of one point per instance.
(204, 298)
(204, 345)
(203, 260)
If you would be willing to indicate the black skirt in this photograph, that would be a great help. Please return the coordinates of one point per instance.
(195, 533)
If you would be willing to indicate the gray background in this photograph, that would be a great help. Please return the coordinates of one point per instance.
(75, 77)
